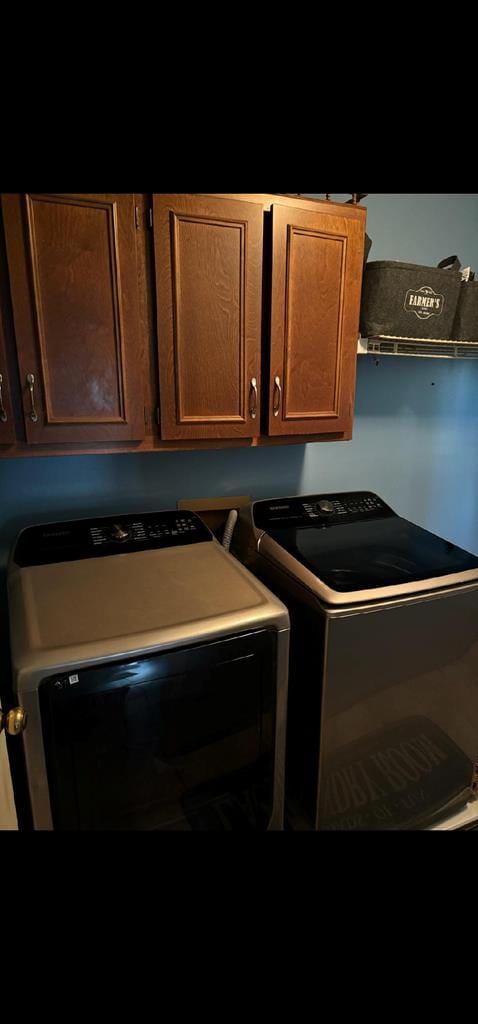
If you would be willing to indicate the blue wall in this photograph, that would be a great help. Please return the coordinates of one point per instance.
(415, 436)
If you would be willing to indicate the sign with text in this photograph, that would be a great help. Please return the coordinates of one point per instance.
(400, 777)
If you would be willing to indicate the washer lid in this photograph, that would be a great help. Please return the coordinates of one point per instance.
(357, 548)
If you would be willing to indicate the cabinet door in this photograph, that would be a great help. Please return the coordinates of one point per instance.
(208, 255)
(73, 280)
(8, 816)
(7, 433)
(317, 264)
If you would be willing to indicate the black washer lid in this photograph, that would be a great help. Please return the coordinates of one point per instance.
(355, 542)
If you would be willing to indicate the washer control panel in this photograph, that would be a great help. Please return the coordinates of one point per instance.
(319, 510)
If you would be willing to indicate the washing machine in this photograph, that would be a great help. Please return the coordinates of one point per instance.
(153, 670)
(383, 683)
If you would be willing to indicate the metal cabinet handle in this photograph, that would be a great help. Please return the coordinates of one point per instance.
(253, 399)
(31, 383)
(3, 414)
(277, 396)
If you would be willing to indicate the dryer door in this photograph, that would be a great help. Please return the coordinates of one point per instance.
(182, 740)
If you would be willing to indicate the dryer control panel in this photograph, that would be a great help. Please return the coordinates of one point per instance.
(319, 510)
(111, 535)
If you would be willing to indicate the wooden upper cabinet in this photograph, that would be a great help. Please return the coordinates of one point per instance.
(317, 264)
(7, 430)
(73, 279)
(208, 260)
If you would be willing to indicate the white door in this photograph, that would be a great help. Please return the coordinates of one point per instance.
(8, 817)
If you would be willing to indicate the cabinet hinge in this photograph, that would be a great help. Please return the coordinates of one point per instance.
(150, 217)
(137, 217)
(158, 416)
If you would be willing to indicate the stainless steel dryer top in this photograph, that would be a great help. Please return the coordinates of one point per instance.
(96, 589)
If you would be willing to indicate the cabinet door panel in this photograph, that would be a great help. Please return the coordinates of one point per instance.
(74, 287)
(208, 255)
(317, 265)
(7, 432)
(8, 814)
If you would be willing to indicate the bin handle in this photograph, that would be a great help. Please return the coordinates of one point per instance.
(450, 263)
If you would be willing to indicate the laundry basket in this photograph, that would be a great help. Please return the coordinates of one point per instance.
(405, 300)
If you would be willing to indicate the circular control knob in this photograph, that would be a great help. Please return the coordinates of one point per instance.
(325, 506)
(119, 533)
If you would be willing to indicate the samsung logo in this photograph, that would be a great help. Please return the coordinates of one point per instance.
(278, 508)
(56, 533)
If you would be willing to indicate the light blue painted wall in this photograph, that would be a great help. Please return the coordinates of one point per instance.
(415, 436)
(416, 427)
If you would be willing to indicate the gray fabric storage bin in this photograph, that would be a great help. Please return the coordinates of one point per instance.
(367, 248)
(406, 300)
(465, 327)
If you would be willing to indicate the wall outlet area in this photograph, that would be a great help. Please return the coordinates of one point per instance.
(214, 511)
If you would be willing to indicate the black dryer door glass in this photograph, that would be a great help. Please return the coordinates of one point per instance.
(183, 740)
